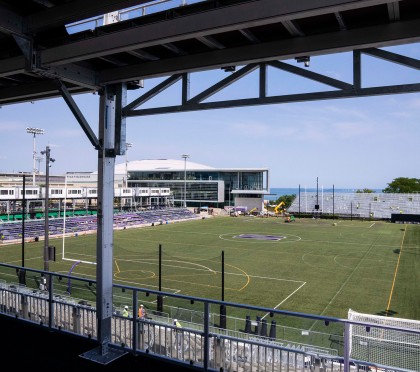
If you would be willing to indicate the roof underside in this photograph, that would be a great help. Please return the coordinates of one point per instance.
(37, 53)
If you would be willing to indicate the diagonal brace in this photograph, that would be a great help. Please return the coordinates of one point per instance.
(78, 114)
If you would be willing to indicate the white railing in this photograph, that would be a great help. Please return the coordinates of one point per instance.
(202, 344)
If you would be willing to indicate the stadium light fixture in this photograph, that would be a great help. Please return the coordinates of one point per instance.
(34, 131)
(185, 157)
(229, 68)
(305, 59)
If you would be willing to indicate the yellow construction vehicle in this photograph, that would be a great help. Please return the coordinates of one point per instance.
(253, 212)
(278, 209)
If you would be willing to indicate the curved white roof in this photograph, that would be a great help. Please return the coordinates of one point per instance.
(159, 164)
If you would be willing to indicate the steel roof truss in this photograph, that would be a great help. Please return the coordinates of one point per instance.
(224, 83)
(310, 75)
(210, 42)
(357, 69)
(394, 11)
(268, 51)
(250, 35)
(153, 92)
(185, 88)
(34, 91)
(76, 75)
(77, 114)
(293, 28)
(143, 55)
(343, 89)
(340, 20)
(10, 22)
(302, 97)
(26, 46)
(230, 18)
(393, 57)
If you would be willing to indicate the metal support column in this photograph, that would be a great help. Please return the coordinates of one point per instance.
(106, 166)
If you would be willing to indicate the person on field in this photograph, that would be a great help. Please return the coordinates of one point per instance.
(142, 312)
(125, 311)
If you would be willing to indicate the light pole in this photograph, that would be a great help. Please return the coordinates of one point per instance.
(21, 273)
(48, 159)
(127, 146)
(34, 131)
(185, 157)
(38, 159)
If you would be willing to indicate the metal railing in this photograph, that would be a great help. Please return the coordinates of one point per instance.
(201, 341)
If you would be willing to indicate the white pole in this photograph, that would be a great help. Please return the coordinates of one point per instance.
(127, 146)
(34, 131)
(34, 160)
(185, 156)
(65, 213)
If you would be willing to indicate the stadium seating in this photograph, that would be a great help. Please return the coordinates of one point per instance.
(363, 205)
(36, 228)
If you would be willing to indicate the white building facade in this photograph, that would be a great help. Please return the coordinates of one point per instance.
(199, 185)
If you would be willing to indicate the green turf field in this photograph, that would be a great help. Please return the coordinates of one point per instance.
(314, 267)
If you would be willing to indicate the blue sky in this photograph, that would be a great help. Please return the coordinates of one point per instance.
(348, 143)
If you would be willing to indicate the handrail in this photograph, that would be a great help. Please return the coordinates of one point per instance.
(203, 344)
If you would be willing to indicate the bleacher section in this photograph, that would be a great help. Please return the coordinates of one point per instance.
(74, 225)
(363, 205)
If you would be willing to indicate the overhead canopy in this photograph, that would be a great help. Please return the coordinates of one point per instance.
(37, 48)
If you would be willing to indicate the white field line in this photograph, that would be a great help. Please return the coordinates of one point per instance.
(266, 277)
(19, 261)
(208, 270)
(344, 284)
(203, 268)
(283, 238)
(290, 295)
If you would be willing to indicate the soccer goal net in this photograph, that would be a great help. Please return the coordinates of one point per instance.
(390, 347)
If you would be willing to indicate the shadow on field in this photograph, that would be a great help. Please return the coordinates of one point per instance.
(387, 313)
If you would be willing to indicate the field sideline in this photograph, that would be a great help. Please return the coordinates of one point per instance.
(307, 266)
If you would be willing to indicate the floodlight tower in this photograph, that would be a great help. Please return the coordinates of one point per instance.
(34, 131)
(127, 146)
(185, 157)
(48, 160)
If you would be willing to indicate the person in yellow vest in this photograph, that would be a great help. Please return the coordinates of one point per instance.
(179, 335)
(125, 311)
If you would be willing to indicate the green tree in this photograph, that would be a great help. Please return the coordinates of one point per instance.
(403, 185)
(365, 191)
(287, 199)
